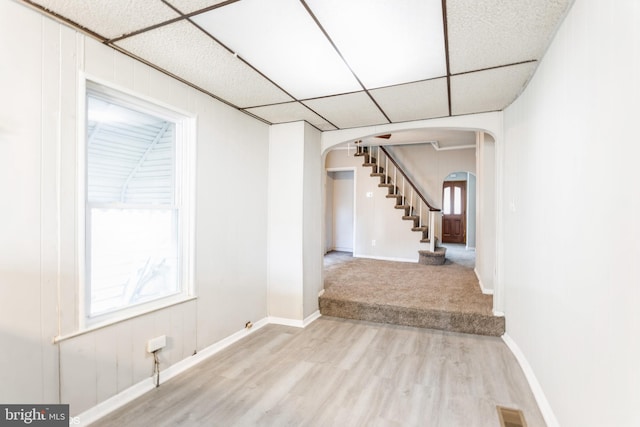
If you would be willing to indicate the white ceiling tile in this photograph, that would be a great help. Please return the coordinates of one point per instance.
(488, 90)
(281, 39)
(187, 52)
(490, 33)
(348, 111)
(188, 6)
(414, 101)
(386, 42)
(290, 112)
(111, 18)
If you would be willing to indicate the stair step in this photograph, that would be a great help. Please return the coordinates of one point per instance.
(425, 240)
(445, 320)
(377, 174)
(410, 217)
(361, 153)
(402, 206)
(423, 228)
(390, 185)
(389, 196)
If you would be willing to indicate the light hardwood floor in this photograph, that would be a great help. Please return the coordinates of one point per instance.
(344, 373)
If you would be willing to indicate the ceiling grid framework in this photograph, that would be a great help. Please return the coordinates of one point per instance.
(335, 64)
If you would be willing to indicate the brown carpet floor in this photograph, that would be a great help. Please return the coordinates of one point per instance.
(444, 297)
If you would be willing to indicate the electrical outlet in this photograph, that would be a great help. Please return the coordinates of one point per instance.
(157, 343)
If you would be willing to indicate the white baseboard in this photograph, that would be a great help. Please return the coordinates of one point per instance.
(384, 258)
(103, 408)
(341, 249)
(541, 399)
(484, 291)
(294, 322)
(309, 319)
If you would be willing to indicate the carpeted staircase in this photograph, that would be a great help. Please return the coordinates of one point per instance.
(433, 255)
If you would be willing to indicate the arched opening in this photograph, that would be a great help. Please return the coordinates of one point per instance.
(432, 157)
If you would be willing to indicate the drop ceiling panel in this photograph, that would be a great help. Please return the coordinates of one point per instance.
(111, 18)
(290, 112)
(488, 90)
(187, 52)
(281, 39)
(386, 42)
(347, 111)
(414, 101)
(188, 6)
(490, 33)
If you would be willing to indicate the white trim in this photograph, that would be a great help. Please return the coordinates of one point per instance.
(185, 160)
(538, 393)
(103, 408)
(436, 146)
(294, 322)
(312, 317)
(484, 291)
(384, 258)
(286, 322)
(355, 181)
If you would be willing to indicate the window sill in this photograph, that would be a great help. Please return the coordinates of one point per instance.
(111, 322)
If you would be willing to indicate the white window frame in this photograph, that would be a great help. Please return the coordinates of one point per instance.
(185, 166)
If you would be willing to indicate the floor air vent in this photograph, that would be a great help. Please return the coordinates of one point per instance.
(511, 417)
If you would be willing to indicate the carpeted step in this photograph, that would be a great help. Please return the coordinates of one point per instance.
(437, 257)
(413, 218)
(470, 323)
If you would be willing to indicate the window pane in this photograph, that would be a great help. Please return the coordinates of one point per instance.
(446, 203)
(133, 257)
(130, 155)
(457, 200)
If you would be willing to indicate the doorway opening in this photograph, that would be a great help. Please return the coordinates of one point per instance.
(340, 212)
(459, 209)
(454, 209)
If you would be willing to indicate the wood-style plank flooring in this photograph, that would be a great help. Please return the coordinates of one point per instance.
(343, 373)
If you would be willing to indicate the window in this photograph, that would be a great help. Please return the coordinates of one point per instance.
(137, 210)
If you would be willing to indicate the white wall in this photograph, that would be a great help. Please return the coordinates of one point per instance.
(571, 233)
(428, 167)
(486, 217)
(313, 248)
(286, 158)
(471, 210)
(376, 217)
(42, 62)
(294, 221)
